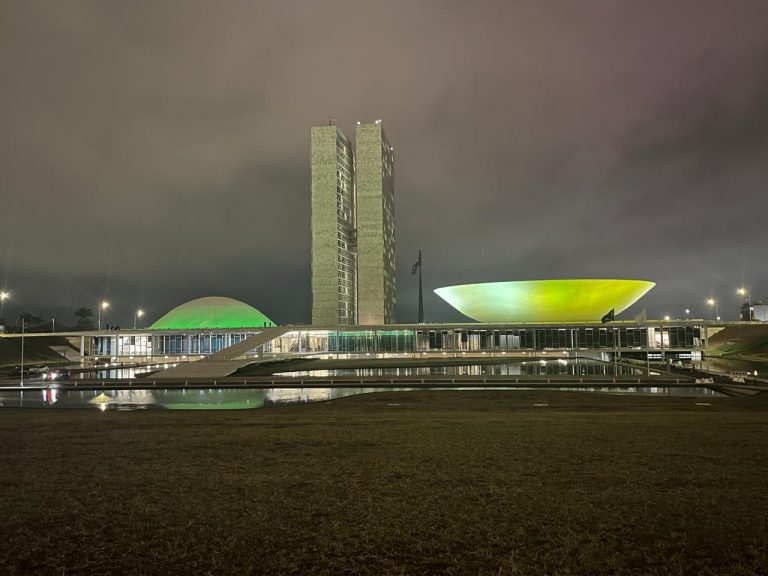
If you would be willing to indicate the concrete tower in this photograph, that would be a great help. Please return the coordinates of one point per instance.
(334, 252)
(375, 187)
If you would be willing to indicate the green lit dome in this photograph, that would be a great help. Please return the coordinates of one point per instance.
(576, 300)
(212, 312)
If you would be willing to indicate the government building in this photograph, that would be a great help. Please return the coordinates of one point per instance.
(353, 226)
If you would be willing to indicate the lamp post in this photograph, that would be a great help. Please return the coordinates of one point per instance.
(139, 314)
(103, 306)
(21, 373)
(713, 302)
(3, 296)
(687, 313)
(745, 293)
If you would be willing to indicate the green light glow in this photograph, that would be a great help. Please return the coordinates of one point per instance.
(577, 300)
(212, 312)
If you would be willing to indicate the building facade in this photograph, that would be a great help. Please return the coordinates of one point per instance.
(678, 340)
(375, 225)
(353, 227)
(334, 251)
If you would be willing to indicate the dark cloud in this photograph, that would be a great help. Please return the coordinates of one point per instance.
(153, 152)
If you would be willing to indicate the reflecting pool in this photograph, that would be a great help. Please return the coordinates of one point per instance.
(237, 399)
(555, 367)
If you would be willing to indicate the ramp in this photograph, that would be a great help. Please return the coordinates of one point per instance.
(222, 363)
(248, 344)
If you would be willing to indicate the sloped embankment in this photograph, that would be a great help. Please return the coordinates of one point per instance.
(36, 349)
(741, 341)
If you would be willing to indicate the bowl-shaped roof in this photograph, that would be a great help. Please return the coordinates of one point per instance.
(212, 312)
(576, 300)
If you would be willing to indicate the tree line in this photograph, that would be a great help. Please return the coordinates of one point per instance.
(33, 323)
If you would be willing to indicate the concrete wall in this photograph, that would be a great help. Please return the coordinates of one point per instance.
(328, 223)
(375, 225)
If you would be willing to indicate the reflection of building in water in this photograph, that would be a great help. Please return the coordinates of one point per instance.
(562, 367)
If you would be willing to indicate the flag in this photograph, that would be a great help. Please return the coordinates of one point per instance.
(417, 265)
(610, 317)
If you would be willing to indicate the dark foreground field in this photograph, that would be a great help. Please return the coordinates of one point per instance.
(394, 483)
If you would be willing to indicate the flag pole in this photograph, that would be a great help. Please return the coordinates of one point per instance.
(421, 295)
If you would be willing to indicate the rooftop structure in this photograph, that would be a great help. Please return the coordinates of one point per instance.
(212, 312)
(574, 300)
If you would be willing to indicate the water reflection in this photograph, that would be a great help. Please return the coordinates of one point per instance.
(119, 373)
(234, 399)
(559, 367)
(727, 365)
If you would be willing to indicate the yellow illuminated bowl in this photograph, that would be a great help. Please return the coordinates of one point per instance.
(579, 300)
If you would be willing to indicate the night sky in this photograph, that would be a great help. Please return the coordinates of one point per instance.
(153, 152)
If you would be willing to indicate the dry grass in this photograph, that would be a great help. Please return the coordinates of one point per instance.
(391, 483)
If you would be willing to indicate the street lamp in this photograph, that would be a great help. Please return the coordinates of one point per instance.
(666, 318)
(21, 374)
(745, 293)
(139, 314)
(3, 295)
(687, 313)
(103, 306)
(713, 302)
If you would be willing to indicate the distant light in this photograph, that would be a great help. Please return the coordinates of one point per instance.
(687, 311)
(666, 318)
(358, 122)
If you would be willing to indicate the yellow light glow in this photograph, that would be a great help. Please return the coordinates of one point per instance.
(570, 300)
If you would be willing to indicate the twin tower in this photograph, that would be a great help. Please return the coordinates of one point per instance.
(353, 226)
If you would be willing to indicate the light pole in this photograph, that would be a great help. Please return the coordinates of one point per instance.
(139, 314)
(21, 374)
(745, 293)
(713, 302)
(687, 313)
(3, 296)
(103, 306)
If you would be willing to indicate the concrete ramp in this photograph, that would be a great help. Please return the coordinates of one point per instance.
(222, 363)
(247, 345)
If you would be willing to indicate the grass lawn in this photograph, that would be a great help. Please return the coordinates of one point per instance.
(391, 483)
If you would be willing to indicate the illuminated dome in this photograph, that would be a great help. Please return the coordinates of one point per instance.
(575, 300)
(211, 312)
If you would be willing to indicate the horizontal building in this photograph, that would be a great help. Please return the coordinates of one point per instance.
(424, 339)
